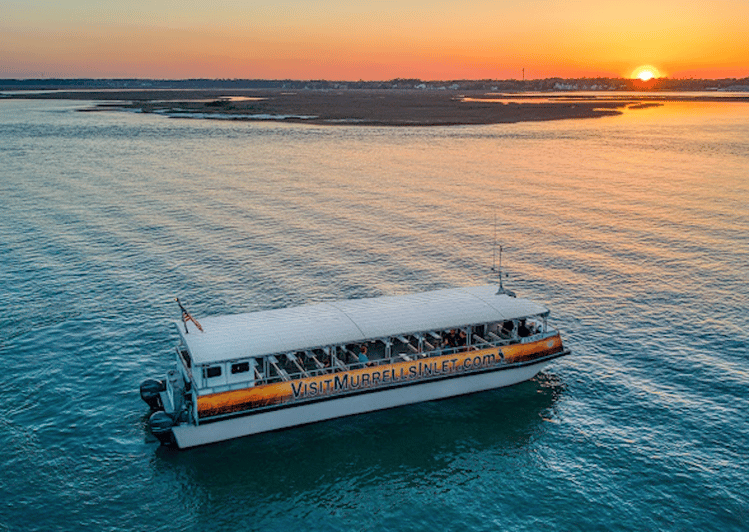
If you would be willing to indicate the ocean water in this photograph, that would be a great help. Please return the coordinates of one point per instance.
(633, 230)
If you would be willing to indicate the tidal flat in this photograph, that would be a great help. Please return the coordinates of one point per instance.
(373, 107)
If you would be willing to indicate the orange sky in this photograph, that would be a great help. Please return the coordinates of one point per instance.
(339, 40)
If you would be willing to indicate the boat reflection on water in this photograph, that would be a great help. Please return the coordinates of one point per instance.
(421, 444)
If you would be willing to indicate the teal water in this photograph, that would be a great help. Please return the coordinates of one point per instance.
(633, 230)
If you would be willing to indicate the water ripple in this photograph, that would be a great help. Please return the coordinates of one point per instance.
(633, 230)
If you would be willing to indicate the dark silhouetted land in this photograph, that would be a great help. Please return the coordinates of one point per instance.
(417, 105)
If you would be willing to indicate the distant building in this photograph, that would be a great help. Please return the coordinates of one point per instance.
(736, 88)
(565, 87)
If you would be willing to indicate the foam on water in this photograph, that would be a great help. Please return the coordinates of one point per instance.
(634, 230)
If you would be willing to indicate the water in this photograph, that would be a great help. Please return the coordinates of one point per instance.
(634, 230)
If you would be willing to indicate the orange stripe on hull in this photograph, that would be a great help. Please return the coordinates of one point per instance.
(372, 377)
(525, 352)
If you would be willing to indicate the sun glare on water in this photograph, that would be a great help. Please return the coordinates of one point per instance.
(646, 73)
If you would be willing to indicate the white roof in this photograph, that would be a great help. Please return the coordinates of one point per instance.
(348, 322)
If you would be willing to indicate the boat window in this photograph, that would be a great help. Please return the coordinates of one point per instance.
(213, 371)
(241, 367)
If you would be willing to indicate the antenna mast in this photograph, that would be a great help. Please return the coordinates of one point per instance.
(502, 289)
(494, 249)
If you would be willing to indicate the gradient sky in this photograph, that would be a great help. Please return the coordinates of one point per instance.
(374, 40)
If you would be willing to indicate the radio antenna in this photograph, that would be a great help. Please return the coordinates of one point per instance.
(502, 289)
(494, 249)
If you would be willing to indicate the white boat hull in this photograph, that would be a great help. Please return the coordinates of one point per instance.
(187, 435)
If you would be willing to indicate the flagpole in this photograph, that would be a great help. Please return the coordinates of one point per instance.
(186, 316)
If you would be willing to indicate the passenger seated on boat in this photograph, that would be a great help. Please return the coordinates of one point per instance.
(450, 339)
(363, 358)
(523, 330)
(461, 341)
(507, 328)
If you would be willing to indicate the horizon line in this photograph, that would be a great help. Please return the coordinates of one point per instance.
(392, 80)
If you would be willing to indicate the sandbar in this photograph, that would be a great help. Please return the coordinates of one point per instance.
(368, 107)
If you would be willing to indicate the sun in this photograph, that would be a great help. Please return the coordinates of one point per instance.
(645, 73)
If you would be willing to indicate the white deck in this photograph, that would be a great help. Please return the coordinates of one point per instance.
(347, 322)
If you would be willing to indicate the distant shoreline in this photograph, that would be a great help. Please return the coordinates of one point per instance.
(369, 107)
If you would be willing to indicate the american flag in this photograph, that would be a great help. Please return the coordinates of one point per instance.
(187, 317)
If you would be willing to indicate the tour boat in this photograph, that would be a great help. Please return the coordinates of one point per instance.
(244, 374)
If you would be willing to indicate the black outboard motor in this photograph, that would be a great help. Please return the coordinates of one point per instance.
(161, 425)
(150, 392)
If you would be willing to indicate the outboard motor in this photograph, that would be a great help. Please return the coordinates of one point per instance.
(150, 392)
(174, 410)
(161, 425)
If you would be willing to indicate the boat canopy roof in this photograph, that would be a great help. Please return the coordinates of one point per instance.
(352, 321)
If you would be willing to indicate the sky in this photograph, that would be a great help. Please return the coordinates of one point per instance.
(373, 40)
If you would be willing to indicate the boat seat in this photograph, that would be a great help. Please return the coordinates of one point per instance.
(312, 356)
(477, 337)
(293, 358)
(405, 357)
(281, 372)
(352, 356)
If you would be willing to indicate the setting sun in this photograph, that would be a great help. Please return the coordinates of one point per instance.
(645, 73)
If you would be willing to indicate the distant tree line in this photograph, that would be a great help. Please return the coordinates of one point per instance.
(548, 84)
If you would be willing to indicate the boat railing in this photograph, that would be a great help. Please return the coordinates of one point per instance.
(339, 365)
(184, 357)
